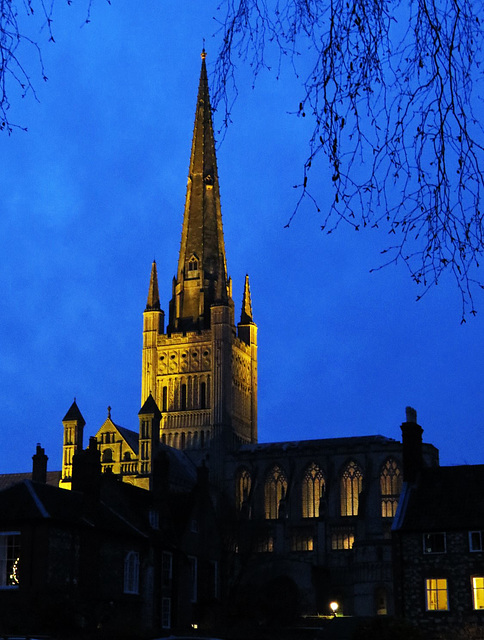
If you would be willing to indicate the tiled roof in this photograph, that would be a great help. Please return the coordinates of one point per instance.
(29, 500)
(444, 498)
(9, 479)
(131, 437)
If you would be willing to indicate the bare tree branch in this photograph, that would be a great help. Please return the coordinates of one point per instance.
(392, 96)
(14, 41)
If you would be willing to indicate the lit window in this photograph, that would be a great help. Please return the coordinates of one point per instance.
(312, 491)
(265, 545)
(131, 572)
(301, 543)
(9, 559)
(342, 540)
(274, 492)
(243, 484)
(436, 589)
(476, 539)
(478, 592)
(390, 485)
(351, 485)
(434, 543)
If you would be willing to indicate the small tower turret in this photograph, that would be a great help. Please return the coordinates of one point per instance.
(153, 326)
(73, 436)
(149, 436)
(247, 332)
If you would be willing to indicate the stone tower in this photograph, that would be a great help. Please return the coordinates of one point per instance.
(73, 423)
(201, 371)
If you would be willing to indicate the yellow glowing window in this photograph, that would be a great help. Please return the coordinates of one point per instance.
(243, 484)
(436, 589)
(478, 592)
(312, 491)
(275, 493)
(351, 485)
(391, 486)
(342, 540)
(302, 543)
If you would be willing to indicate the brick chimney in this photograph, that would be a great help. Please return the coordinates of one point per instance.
(86, 470)
(412, 446)
(39, 465)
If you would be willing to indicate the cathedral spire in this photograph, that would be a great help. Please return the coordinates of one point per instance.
(153, 302)
(202, 272)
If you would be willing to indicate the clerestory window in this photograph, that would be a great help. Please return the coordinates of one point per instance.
(351, 485)
(243, 483)
(274, 492)
(312, 491)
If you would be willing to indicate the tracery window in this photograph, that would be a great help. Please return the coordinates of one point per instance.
(351, 485)
(391, 486)
(192, 263)
(243, 483)
(312, 491)
(274, 492)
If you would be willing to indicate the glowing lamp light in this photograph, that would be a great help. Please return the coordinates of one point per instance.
(334, 606)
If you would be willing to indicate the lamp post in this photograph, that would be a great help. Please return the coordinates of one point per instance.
(334, 606)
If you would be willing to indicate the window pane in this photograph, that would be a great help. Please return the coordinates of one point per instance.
(275, 492)
(391, 486)
(351, 485)
(437, 594)
(434, 543)
(312, 491)
(478, 592)
(10, 559)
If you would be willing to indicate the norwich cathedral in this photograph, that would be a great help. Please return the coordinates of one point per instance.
(189, 524)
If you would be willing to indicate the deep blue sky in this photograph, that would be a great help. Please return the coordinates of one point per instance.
(96, 189)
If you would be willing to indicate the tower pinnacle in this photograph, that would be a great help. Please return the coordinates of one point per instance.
(153, 302)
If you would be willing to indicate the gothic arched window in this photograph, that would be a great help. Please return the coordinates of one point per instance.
(312, 491)
(243, 483)
(351, 485)
(390, 485)
(274, 492)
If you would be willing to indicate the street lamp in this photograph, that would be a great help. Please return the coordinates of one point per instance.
(334, 606)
